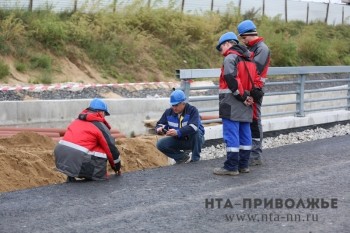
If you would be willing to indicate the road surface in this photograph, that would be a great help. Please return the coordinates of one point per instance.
(303, 187)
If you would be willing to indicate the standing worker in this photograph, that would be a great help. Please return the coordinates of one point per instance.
(237, 78)
(261, 57)
(182, 124)
(87, 145)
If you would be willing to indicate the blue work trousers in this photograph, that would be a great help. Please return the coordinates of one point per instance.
(175, 148)
(237, 136)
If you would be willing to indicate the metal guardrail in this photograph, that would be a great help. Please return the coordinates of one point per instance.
(302, 72)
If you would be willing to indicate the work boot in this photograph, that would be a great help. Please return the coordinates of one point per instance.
(255, 162)
(185, 159)
(223, 171)
(244, 170)
(70, 179)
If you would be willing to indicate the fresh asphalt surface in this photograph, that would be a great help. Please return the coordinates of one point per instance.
(172, 199)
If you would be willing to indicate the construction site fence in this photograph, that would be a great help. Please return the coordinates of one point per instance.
(287, 10)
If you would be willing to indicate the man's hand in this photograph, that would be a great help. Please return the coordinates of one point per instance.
(161, 130)
(171, 132)
(116, 168)
(249, 101)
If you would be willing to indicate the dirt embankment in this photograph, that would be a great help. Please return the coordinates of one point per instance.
(26, 159)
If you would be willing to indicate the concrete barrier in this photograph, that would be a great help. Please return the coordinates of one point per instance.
(127, 115)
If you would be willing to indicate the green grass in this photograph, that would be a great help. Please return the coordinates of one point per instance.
(45, 78)
(41, 62)
(140, 43)
(4, 70)
(21, 67)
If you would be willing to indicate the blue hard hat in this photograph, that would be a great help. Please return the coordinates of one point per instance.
(246, 26)
(177, 97)
(99, 104)
(226, 37)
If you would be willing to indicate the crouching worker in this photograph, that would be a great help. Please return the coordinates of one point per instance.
(87, 145)
(182, 124)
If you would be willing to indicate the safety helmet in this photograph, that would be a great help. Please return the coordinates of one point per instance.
(226, 37)
(246, 26)
(100, 105)
(177, 97)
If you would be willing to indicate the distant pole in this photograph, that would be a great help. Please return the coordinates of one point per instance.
(114, 6)
(326, 19)
(182, 5)
(212, 6)
(149, 3)
(30, 7)
(307, 14)
(239, 5)
(263, 9)
(342, 17)
(286, 9)
(75, 5)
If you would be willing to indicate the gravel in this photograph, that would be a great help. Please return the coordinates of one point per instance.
(147, 90)
(84, 93)
(218, 150)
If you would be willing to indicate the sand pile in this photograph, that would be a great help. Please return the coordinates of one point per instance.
(26, 159)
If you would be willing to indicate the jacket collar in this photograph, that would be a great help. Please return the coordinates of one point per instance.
(88, 115)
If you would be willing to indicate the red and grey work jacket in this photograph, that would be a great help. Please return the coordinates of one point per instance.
(90, 134)
(260, 54)
(235, 84)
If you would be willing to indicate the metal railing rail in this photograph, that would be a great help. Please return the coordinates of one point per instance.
(302, 72)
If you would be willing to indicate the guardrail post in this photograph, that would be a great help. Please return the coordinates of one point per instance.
(185, 86)
(300, 97)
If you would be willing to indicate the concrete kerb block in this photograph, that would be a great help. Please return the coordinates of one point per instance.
(282, 123)
(213, 132)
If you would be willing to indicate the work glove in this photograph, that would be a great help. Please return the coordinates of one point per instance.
(257, 94)
(117, 167)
